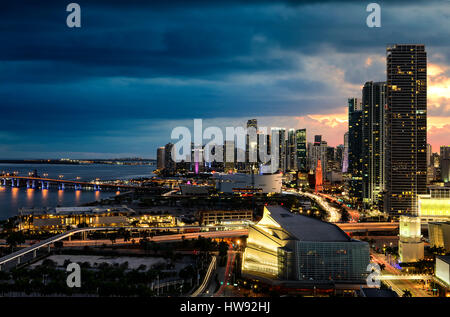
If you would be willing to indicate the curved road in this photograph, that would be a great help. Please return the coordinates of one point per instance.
(333, 213)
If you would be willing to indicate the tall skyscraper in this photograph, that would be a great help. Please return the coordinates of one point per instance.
(355, 144)
(319, 177)
(160, 158)
(406, 143)
(373, 173)
(292, 150)
(169, 161)
(429, 154)
(345, 155)
(318, 153)
(340, 155)
(251, 146)
(300, 138)
(445, 163)
(229, 155)
(282, 149)
(431, 170)
(252, 123)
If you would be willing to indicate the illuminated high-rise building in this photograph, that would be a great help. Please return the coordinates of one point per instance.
(282, 149)
(345, 154)
(160, 158)
(355, 143)
(300, 138)
(429, 154)
(373, 134)
(406, 142)
(318, 152)
(229, 155)
(445, 163)
(319, 177)
(169, 161)
(291, 151)
(251, 146)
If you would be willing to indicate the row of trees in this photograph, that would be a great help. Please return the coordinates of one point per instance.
(102, 280)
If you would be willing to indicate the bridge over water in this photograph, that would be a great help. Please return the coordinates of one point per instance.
(44, 182)
(33, 182)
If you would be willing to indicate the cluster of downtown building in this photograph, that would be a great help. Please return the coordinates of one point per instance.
(389, 160)
(296, 157)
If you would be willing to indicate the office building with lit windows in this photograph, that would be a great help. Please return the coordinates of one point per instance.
(435, 205)
(291, 151)
(355, 146)
(318, 152)
(251, 146)
(160, 160)
(445, 163)
(406, 142)
(373, 134)
(290, 248)
(300, 137)
(281, 149)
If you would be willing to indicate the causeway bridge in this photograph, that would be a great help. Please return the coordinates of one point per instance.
(44, 183)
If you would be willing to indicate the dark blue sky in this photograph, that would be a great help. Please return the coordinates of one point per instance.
(136, 69)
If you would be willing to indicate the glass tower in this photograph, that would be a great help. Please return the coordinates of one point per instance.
(406, 143)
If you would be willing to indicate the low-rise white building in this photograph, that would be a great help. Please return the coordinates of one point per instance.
(410, 246)
(442, 270)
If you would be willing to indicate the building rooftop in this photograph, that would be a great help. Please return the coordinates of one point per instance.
(445, 258)
(74, 210)
(307, 228)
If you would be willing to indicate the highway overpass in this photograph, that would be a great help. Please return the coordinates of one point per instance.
(367, 226)
(15, 258)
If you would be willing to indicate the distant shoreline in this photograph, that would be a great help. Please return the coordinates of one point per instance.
(81, 162)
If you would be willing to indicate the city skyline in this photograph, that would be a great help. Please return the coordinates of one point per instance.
(223, 156)
(102, 91)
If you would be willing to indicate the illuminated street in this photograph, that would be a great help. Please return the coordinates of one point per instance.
(399, 285)
(333, 214)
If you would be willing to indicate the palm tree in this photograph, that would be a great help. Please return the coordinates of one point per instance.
(14, 239)
(113, 237)
(406, 293)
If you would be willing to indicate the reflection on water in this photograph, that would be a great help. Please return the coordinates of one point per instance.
(60, 196)
(30, 194)
(14, 195)
(44, 195)
(77, 196)
(11, 199)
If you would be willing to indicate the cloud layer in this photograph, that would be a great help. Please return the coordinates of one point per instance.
(133, 71)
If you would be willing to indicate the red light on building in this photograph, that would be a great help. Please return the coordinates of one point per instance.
(318, 186)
